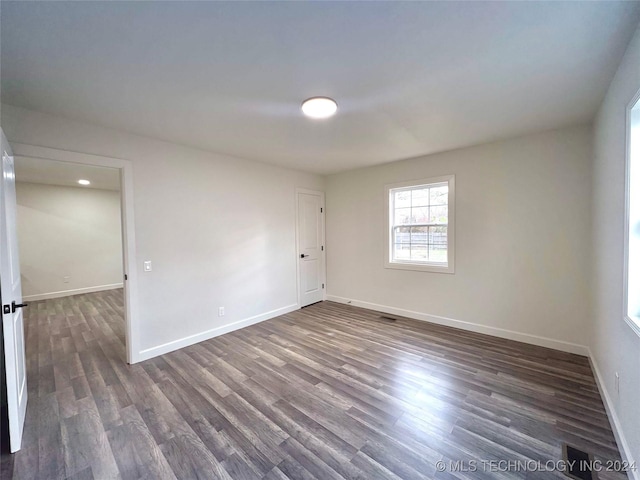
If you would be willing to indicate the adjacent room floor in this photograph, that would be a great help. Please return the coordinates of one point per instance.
(329, 391)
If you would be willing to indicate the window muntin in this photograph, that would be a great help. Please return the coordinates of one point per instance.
(419, 225)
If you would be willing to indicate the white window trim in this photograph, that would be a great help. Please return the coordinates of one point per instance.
(424, 267)
(632, 320)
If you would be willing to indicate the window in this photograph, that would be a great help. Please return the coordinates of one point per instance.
(420, 225)
(632, 220)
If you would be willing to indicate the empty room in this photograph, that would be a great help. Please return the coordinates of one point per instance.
(295, 240)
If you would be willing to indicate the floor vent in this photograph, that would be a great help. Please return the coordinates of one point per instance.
(579, 464)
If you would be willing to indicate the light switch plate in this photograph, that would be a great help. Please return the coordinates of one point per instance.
(147, 266)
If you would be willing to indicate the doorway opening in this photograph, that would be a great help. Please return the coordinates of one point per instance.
(111, 184)
(69, 226)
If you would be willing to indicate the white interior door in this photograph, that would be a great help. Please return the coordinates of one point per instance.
(310, 247)
(11, 292)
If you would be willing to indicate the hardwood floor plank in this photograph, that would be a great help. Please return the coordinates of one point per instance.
(130, 465)
(328, 392)
(50, 439)
(237, 469)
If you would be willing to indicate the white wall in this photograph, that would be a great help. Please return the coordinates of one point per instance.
(219, 230)
(615, 347)
(522, 239)
(68, 231)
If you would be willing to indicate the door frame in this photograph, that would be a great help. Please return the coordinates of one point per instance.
(323, 260)
(130, 285)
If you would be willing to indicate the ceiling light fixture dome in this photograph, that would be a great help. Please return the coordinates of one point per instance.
(319, 107)
(84, 182)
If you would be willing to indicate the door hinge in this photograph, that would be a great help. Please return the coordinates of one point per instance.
(126, 277)
(323, 286)
(6, 309)
(320, 209)
(322, 248)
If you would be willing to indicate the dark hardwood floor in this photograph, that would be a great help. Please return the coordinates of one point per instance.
(330, 391)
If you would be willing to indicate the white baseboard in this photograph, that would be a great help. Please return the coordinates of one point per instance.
(473, 327)
(68, 293)
(618, 433)
(214, 332)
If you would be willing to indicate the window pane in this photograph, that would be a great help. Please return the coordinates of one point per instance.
(401, 243)
(420, 197)
(439, 195)
(403, 199)
(402, 216)
(437, 244)
(437, 254)
(402, 251)
(438, 215)
(419, 235)
(402, 235)
(419, 253)
(420, 215)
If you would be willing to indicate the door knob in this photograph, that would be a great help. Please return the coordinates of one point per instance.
(302, 255)
(15, 306)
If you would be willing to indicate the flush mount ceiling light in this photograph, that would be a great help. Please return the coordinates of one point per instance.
(84, 182)
(319, 107)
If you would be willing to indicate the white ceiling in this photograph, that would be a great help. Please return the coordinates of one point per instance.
(410, 78)
(49, 172)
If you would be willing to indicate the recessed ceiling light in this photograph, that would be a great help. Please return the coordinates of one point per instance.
(84, 182)
(319, 107)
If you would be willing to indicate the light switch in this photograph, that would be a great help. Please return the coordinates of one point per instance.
(147, 266)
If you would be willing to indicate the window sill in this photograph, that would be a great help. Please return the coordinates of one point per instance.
(421, 267)
(634, 323)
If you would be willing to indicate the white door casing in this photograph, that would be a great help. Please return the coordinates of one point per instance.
(310, 251)
(11, 291)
